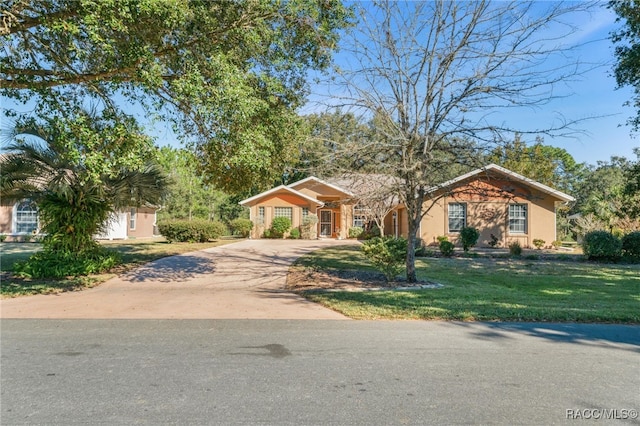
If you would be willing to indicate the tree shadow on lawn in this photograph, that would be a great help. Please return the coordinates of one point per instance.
(599, 335)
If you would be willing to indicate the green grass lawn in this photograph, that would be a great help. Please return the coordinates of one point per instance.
(489, 289)
(133, 252)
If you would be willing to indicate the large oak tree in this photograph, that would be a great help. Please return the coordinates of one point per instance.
(228, 74)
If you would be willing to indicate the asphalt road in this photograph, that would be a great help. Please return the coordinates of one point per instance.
(117, 372)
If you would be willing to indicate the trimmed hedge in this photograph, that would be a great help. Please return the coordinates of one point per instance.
(631, 245)
(191, 231)
(241, 227)
(280, 226)
(601, 245)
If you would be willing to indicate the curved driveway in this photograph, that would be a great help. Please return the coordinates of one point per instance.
(239, 280)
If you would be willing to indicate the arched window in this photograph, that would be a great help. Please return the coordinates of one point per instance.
(26, 217)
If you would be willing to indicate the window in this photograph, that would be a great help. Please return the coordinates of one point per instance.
(457, 217)
(260, 217)
(26, 217)
(360, 216)
(284, 212)
(518, 218)
(305, 212)
(132, 219)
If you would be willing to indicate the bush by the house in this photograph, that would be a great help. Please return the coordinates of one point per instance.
(308, 229)
(631, 246)
(191, 230)
(493, 241)
(446, 247)
(469, 236)
(294, 234)
(355, 231)
(280, 226)
(538, 243)
(3, 237)
(601, 245)
(515, 249)
(387, 254)
(62, 263)
(371, 231)
(241, 227)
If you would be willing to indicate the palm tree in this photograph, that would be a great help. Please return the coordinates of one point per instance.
(74, 203)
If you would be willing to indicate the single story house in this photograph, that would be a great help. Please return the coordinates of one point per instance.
(503, 205)
(21, 218)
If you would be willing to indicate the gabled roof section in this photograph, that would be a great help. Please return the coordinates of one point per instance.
(513, 175)
(277, 189)
(322, 182)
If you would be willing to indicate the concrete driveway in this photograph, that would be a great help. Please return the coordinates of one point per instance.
(243, 280)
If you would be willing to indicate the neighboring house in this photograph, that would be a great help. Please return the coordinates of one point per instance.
(21, 218)
(496, 201)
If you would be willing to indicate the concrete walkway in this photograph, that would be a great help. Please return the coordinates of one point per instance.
(243, 280)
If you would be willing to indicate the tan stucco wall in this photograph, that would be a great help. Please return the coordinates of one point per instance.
(145, 220)
(490, 215)
(279, 200)
(6, 216)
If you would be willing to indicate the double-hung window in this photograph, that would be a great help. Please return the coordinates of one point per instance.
(457, 216)
(133, 215)
(360, 216)
(260, 218)
(518, 218)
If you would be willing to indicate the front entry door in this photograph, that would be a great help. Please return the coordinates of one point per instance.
(326, 223)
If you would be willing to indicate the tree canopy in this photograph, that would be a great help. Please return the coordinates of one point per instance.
(627, 51)
(227, 73)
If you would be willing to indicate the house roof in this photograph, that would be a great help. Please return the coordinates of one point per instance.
(277, 189)
(513, 175)
(322, 182)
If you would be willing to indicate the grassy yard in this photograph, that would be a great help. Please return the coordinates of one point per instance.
(133, 253)
(491, 289)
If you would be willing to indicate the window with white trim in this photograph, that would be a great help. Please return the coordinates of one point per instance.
(360, 216)
(260, 218)
(283, 212)
(457, 216)
(26, 217)
(305, 212)
(518, 218)
(132, 218)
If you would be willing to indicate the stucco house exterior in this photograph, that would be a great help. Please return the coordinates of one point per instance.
(503, 205)
(21, 218)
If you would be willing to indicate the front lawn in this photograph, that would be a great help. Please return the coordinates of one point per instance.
(489, 289)
(133, 252)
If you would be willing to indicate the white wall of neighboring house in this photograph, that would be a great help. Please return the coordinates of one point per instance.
(116, 228)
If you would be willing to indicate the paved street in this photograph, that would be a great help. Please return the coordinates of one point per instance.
(117, 372)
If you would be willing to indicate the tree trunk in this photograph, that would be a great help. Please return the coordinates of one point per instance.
(411, 252)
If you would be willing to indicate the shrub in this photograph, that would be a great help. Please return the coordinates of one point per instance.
(493, 242)
(280, 226)
(631, 245)
(191, 230)
(446, 248)
(355, 231)
(60, 264)
(308, 229)
(538, 243)
(3, 237)
(515, 249)
(469, 236)
(26, 238)
(294, 234)
(387, 254)
(555, 244)
(442, 238)
(241, 226)
(372, 232)
(601, 245)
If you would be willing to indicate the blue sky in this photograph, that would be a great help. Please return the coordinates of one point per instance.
(593, 95)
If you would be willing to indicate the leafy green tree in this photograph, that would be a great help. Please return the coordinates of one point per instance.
(546, 164)
(627, 51)
(228, 74)
(61, 165)
(631, 188)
